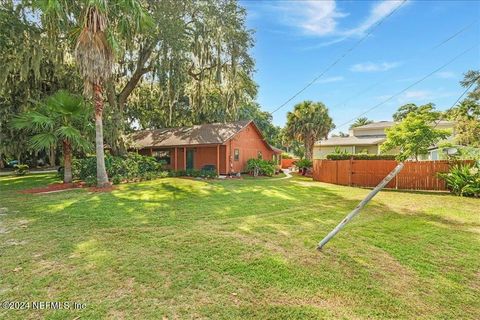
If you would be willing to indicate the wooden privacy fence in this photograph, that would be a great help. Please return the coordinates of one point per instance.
(421, 175)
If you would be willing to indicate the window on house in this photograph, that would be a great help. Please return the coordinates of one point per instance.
(259, 155)
(236, 154)
(162, 155)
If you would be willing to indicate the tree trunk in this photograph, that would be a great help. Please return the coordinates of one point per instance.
(51, 156)
(102, 178)
(308, 150)
(67, 161)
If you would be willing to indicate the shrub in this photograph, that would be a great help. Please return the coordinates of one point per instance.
(132, 166)
(348, 156)
(261, 167)
(463, 180)
(117, 179)
(21, 169)
(90, 181)
(304, 163)
(286, 155)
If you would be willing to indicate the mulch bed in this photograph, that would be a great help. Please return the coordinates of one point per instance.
(54, 187)
(104, 189)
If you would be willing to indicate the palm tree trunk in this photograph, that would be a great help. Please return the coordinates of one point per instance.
(102, 178)
(308, 150)
(67, 161)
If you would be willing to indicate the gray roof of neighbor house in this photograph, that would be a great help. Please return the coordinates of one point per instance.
(388, 124)
(350, 141)
(376, 125)
(214, 133)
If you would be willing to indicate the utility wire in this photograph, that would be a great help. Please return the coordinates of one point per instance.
(341, 57)
(418, 55)
(410, 86)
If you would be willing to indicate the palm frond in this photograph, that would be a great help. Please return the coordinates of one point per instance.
(42, 141)
(75, 137)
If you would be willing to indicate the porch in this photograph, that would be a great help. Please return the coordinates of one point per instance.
(188, 157)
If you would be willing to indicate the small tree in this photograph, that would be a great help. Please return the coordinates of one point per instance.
(308, 122)
(63, 118)
(413, 136)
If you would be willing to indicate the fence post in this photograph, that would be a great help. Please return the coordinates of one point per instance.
(361, 205)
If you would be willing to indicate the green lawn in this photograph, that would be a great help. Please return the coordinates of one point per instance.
(237, 249)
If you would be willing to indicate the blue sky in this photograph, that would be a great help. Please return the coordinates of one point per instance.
(296, 40)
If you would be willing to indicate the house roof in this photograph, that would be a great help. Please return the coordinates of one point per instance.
(213, 133)
(350, 141)
(276, 150)
(388, 124)
(376, 125)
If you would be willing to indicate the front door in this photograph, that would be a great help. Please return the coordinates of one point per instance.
(190, 153)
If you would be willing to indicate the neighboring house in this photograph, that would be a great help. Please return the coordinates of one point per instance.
(368, 139)
(224, 146)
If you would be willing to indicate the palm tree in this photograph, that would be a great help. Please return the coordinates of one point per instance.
(360, 122)
(309, 121)
(63, 118)
(95, 59)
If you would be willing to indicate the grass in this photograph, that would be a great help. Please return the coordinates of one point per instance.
(237, 249)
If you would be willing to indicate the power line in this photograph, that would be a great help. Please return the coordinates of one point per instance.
(420, 54)
(410, 86)
(341, 57)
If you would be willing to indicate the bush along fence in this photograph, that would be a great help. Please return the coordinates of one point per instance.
(421, 175)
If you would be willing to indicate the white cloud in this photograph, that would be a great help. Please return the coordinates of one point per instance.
(379, 11)
(313, 17)
(321, 18)
(330, 79)
(373, 67)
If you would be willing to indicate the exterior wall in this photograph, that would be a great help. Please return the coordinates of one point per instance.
(249, 142)
(368, 132)
(320, 152)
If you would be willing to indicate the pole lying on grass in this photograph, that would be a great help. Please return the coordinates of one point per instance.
(360, 206)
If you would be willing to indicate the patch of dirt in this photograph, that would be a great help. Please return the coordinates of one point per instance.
(13, 242)
(54, 187)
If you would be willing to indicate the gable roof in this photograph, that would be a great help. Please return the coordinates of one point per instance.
(388, 124)
(376, 125)
(214, 133)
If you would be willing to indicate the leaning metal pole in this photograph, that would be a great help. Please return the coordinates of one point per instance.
(360, 206)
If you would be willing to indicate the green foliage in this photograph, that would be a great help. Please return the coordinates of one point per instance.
(463, 180)
(286, 155)
(90, 181)
(413, 136)
(348, 156)
(132, 166)
(411, 108)
(467, 122)
(21, 169)
(358, 123)
(258, 167)
(304, 163)
(308, 122)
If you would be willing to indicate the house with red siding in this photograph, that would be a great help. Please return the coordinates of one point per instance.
(224, 146)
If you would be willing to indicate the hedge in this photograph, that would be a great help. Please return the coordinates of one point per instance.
(335, 156)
